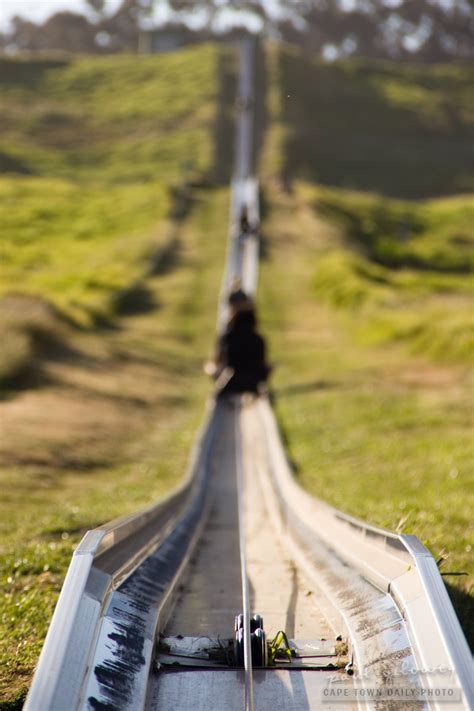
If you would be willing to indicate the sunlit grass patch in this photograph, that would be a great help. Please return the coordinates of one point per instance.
(402, 270)
(117, 117)
(92, 150)
(350, 282)
(434, 235)
(438, 333)
(75, 245)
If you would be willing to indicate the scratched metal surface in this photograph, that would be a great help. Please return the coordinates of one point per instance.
(210, 595)
(279, 589)
(373, 623)
(124, 648)
(223, 691)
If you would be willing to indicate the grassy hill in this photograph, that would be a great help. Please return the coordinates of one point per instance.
(397, 130)
(402, 263)
(93, 154)
(113, 119)
(367, 293)
(403, 271)
(365, 297)
(110, 217)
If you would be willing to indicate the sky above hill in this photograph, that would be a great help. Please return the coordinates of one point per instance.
(40, 10)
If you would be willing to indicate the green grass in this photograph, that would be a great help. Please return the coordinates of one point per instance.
(93, 232)
(432, 235)
(92, 151)
(402, 270)
(366, 292)
(373, 429)
(402, 131)
(78, 245)
(118, 118)
(152, 371)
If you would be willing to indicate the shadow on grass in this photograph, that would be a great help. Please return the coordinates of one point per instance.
(58, 533)
(464, 607)
(30, 377)
(303, 388)
(14, 704)
(265, 243)
(181, 201)
(165, 259)
(294, 466)
(29, 72)
(224, 128)
(363, 126)
(13, 164)
(387, 233)
(32, 331)
(133, 300)
(138, 298)
(53, 463)
(264, 247)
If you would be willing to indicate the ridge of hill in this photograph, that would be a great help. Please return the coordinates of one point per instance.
(366, 286)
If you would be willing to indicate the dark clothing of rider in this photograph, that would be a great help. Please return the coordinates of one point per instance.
(244, 221)
(242, 350)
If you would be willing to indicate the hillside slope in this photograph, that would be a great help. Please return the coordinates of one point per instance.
(367, 290)
(118, 118)
(397, 130)
(113, 241)
(96, 156)
(110, 209)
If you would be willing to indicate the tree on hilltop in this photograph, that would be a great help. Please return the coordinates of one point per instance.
(412, 30)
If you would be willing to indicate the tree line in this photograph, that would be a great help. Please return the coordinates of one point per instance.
(403, 30)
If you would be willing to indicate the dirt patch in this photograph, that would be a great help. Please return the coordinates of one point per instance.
(426, 375)
(94, 404)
